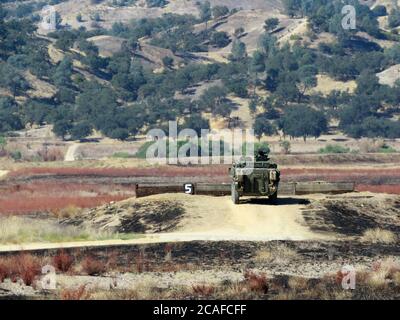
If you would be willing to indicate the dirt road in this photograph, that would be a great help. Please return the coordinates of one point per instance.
(70, 155)
(217, 218)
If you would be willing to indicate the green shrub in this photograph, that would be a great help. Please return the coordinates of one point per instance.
(387, 149)
(286, 147)
(16, 155)
(330, 148)
(122, 155)
(141, 154)
(3, 142)
(295, 37)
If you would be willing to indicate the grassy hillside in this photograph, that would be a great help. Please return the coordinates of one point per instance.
(120, 67)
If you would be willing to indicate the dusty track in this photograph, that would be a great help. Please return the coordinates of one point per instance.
(70, 155)
(211, 218)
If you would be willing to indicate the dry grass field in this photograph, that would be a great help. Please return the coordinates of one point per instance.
(176, 246)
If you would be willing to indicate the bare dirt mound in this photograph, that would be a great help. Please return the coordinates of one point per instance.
(354, 214)
(178, 217)
(132, 216)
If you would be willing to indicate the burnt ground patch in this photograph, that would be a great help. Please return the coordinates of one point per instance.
(141, 216)
(352, 216)
(162, 219)
(234, 254)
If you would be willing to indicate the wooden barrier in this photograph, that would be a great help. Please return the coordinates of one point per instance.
(144, 190)
(324, 187)
(214, 189)
(285, 188)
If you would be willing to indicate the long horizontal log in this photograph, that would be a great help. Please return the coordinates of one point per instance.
(285, 188)
(324, 187)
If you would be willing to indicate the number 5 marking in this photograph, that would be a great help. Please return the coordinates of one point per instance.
(189, 188)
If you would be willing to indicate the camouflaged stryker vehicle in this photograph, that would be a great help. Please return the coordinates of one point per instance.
(260, 179)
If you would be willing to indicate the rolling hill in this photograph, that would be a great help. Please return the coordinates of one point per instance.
(121, 67)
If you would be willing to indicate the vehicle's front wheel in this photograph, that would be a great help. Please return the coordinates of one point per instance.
(235, 194)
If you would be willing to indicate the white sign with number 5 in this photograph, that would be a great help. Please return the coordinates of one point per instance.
(189, 188)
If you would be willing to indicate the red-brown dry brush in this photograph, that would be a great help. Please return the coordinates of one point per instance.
(23, 266)
(164, 171)
(51, 154)
(341, 171)
(79, 293)
(4, 269)
(93, 266)
(112, 260)
(256, 282)
(140, 262)
(51, 204)
(339, 277)
(30, 268)
(168, 252)
(331, 174)
(383, 188)
(62, 261)
(50, 196)
(62, 187)
(203, 290)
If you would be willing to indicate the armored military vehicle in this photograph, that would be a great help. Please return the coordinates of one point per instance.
(259, 178)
